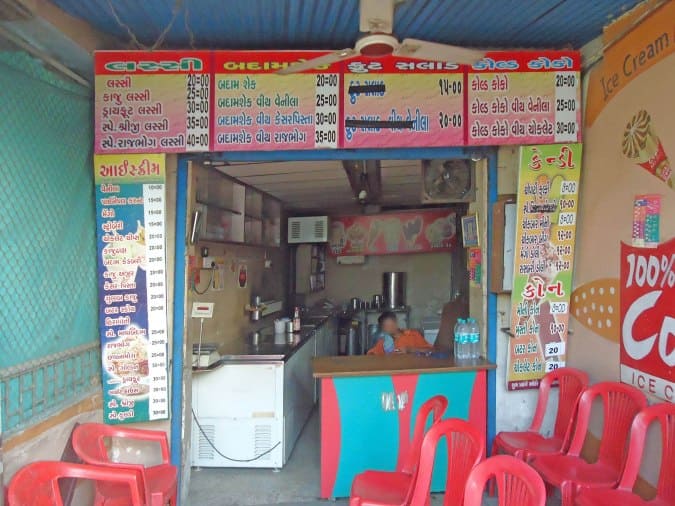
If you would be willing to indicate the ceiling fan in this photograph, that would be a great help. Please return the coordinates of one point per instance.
(376, 22)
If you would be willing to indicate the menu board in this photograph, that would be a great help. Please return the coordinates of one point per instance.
(647, 295)
(527, 97)
(257, 109)
(152, 102)
(393, 233)
(548, 187)
(397, 103)
(130, 219)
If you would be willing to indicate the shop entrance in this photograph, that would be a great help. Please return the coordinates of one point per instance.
(234, 165)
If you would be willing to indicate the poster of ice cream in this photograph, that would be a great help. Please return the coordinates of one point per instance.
(132, 286)
(393, 233)
(548, 188)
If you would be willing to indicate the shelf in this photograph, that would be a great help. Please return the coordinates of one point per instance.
(216, 206)
(239, 243)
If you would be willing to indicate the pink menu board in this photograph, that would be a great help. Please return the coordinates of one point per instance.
(257, 109)
(398, 102)
(524, 97)
(152, 101)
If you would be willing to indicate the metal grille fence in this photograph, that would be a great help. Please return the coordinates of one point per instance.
(48, 307)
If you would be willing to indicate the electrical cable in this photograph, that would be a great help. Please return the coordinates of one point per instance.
(194, 284)
(258, 457)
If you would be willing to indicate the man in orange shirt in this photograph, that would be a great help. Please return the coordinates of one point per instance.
(404, 340)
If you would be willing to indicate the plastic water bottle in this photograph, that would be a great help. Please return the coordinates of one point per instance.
(474, 339)
(463, 332)
(458, 338)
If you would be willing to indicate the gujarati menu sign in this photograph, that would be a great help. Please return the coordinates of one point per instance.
(527, 97)
(393, 233)
(548, 188)
(647, 294)
(152, 102)
(257, 109)
(130, 219)
(399, 102)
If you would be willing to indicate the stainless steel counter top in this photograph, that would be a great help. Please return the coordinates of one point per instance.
(271, 346)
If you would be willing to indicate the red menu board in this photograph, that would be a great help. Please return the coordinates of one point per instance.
(393, 233)
(152, 102)
(647, 297)
(525, 97)
(397, 102)
(257, 109)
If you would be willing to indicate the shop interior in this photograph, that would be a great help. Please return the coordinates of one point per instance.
(242, 266)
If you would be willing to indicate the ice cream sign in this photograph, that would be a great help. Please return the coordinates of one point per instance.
(648, 318)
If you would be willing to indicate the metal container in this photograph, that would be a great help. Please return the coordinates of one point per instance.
(289, 326)
(355, 304)
(393, 289)
(377, 301)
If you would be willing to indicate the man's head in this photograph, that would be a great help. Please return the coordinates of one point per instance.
(388, 323)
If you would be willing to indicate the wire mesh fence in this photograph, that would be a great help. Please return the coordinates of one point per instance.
(48, 310)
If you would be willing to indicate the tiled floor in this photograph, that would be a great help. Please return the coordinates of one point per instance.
(297, 484)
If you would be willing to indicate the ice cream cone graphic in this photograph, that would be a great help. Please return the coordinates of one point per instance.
(642, 144)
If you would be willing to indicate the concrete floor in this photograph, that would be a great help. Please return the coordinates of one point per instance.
(296, 484)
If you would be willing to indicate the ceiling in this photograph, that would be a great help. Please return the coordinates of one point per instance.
(322, 186)
(333, 24)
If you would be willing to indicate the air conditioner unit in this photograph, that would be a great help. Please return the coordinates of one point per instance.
(307, 229)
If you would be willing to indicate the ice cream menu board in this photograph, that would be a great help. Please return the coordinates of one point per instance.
(398, 102)
(548, 186)
(528, 97)
(130, 218)
(152, 102)
(393, 233)
(257, 109)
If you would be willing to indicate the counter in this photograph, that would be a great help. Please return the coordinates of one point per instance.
(369, 404)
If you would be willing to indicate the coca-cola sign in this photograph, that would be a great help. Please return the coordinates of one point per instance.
(648, 318)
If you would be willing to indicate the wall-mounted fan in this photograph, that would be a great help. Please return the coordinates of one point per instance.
(377, 23)
(448, 181)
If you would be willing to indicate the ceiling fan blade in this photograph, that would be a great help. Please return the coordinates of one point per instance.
(376, 16)
(327, 59)
(425, 50)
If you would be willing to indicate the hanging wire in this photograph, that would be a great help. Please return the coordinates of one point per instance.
(174, 15)
(132, 35)
(186, 21)
(178, 4)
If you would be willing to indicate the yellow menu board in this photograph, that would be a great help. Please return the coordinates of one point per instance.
(548, 189)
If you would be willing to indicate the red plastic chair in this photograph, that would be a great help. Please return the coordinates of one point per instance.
(571, 382)
(377, 483)
(466, 447)
(621, 403)
(517, 483)
(665, 489)
(37, 484)
(159, 482)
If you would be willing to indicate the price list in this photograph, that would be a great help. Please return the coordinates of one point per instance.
(198, 109)
(257, 109)
(152, 102)
(567, 106)
(130, 208)
(548, 186)
(522, 98)
(396, 102)
(155, 280)
(327, 110)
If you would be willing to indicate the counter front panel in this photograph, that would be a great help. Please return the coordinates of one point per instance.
(368, 420)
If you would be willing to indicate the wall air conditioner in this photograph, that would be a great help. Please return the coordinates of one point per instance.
(307, 229)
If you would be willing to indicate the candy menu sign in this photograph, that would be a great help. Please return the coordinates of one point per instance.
(397, 102)
(524, 98)
(257, 109)
(130, 218)
(548, 187)
(152, 102)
